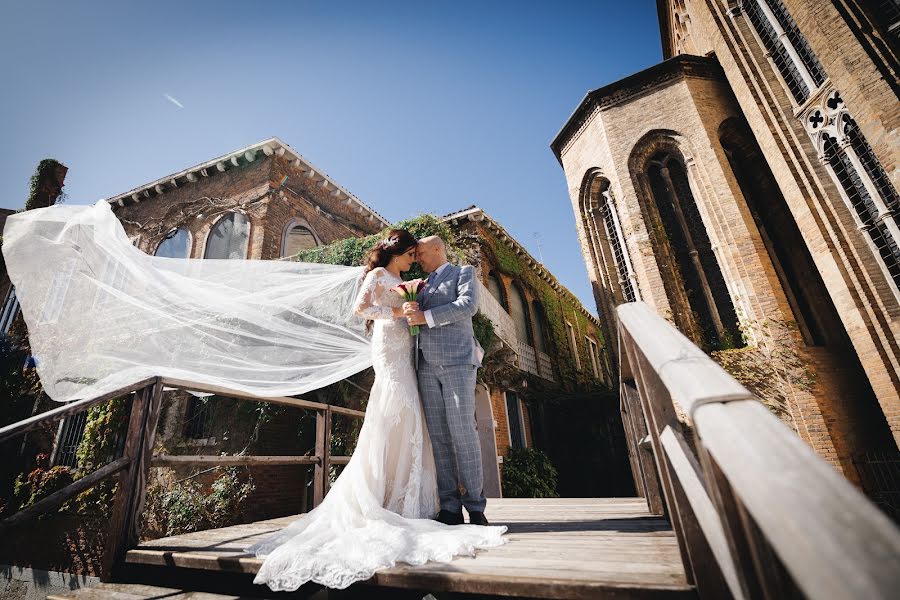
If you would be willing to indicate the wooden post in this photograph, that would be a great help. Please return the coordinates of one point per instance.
(638, 422)
(132, 482)
(326, 456)
(707, 571)
(142, 465)
(114, 547)
(323, 450)
(722, 495)
(656, 405)
(631, 444)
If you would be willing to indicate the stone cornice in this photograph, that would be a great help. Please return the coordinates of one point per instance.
(681, 66)
(270, 147)
(474, 213)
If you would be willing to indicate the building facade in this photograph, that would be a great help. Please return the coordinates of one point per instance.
(746, 188)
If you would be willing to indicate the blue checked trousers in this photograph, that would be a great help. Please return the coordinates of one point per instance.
(448, 399)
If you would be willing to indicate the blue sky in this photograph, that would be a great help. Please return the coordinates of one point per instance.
(412, 106)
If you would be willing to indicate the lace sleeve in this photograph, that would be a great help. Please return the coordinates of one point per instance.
(371, 289)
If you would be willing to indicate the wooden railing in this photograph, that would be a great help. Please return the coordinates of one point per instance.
(137, 457)
(756, 512)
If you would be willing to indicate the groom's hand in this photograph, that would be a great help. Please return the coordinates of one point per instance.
(416, 317)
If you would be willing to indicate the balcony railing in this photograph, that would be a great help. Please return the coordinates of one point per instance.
(545, 367)
(504, 327)
(528, 358)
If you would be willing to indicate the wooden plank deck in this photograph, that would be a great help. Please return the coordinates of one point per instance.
(558, 548)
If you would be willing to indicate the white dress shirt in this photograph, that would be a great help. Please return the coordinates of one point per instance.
(434, 276)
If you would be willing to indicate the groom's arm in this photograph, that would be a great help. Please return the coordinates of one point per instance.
(464, 307)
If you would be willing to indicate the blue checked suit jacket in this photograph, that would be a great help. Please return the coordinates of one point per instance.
(452, 298)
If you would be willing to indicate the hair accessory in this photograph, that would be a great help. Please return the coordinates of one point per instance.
(390, 242)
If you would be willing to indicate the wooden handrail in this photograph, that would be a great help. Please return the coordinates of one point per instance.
(65, 410)
(756, 512)
(59, 497)
(133, 466)
(280, 400)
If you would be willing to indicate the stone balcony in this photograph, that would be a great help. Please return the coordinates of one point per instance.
(528, 359)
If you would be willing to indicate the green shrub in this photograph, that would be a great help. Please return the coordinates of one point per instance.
(41, 482)
(528, 473)
(484, 331)
(184, 506)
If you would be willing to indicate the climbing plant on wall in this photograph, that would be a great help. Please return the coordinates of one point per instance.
(558, 307)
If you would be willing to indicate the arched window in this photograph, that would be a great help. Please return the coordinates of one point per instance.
(495, 287)
(873, 214)
(297, 237)
(518, 310)
(605, 240)
(799, 68)
(696, 269)
(794, 266)
(540, 327)
(229, 238)
(177, 244)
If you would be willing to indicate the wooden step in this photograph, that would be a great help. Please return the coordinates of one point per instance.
(138, 591)
(562, 548)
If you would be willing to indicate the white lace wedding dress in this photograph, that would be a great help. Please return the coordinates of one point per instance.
(379, 510)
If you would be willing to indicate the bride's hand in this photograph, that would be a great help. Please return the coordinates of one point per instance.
(410, 307)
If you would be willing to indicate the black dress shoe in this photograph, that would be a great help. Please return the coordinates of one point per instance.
(477, 518)
(450, 518)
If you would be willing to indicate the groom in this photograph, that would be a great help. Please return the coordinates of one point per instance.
(448, 361)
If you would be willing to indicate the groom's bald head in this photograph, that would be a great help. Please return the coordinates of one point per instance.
(431, 252)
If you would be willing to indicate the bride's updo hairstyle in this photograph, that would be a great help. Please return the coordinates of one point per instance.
(396, 243)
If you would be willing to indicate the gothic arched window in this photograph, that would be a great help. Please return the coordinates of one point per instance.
(495, 287)
(229, 238)
(789, 50)
(540, 327)
(518, 310)
(604, 237)
(873, 213)
(696, 269)
(297, 237)
(177, 244)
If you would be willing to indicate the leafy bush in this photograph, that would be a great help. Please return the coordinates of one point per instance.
(484, 331)
(528, 473)
(184, 506)
(41, 482)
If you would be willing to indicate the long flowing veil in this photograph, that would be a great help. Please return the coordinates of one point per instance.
(102, 314)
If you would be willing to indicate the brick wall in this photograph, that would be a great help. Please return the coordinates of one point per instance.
(861, 69)
(270, 208)
(683, 105)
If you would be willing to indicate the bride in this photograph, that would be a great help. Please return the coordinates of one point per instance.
(102, 315)
(379, 511)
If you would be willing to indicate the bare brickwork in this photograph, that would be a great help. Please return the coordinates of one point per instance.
(746, 189)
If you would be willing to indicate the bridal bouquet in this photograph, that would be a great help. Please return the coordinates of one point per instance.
(408, 290)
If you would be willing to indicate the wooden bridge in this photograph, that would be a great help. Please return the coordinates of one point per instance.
(745, 510)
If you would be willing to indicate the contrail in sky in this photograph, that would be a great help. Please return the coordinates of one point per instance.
(173, 101)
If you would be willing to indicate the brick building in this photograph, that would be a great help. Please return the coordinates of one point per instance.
(746, 188)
